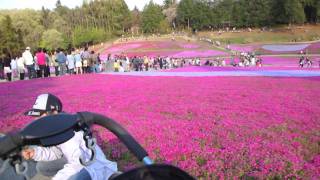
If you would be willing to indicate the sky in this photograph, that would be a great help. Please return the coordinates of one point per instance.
(50, 4)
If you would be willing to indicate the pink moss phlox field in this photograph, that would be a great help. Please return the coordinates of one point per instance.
(244, 48)
(200, 53)
(212, 127)
(281, 61)
(189, 46)
(161, 48)
(122, 47)
(254, 68)
(145, 45)
(314, 48)
(179, 53)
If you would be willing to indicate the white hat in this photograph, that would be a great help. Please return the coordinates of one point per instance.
(45, 103)
(28, 48)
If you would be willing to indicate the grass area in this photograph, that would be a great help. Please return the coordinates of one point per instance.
(276, 35)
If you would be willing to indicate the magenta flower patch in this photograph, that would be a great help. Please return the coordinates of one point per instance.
(212, 127)
(189, 46)
(119, 48)
(161, 48)
(199, 53)
(244, 48)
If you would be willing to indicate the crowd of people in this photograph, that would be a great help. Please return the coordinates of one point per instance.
(245, 60)
(305, 61)
(124, 63)
(42, 63)
(249, 59)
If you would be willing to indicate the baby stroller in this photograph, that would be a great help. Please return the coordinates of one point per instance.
(57, 129)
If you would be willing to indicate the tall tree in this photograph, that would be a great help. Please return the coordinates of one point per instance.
(136, 17)
(9, 39)
(45, 18)
(251, 13)
(168, 3)
(170, 12)
(185, 12)
(151, 18)
(288, 11)
(52, 39)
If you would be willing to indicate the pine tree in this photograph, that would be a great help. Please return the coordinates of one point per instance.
(151, 18)
(185, 12)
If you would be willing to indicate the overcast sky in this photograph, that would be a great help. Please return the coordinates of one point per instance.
(37, 4)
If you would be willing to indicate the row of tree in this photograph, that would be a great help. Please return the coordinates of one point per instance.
(203, 14)
(99, 20)
(93, 22)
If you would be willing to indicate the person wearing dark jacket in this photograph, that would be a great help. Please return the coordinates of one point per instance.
(7, 67)
(1, 68)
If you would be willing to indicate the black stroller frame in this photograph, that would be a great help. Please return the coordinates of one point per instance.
(57, 129)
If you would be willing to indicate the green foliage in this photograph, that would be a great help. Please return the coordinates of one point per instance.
(164, 27)
(84, 36)
(45, 18)
(96, 21)
(151, 18)
(251, 13)
(186, 12)
(288, 11)
(203, 14)
(28, 22)
(52, 39)
(318, 9)
(9, 41)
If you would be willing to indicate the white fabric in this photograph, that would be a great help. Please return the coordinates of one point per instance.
(121, 69)
(70, 61)
(7, 70)
(20, 63)
(28, 58)
(78, 64)
(41, 102)
(13, 64)
(85, 63)
(72, 150)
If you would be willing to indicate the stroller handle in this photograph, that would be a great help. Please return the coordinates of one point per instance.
(93, 118)
(39, 131)
(10, 143)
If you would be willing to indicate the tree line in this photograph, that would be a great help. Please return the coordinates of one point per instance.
(97, 21)
(205, 14)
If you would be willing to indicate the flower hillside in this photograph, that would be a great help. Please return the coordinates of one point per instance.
(212, 127)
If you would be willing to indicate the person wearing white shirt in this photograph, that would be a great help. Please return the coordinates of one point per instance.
(21, 67)
(29, 62)
(71, 62)
(78, 60)
(14, 67)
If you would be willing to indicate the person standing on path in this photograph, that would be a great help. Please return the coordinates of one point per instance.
(61, 59)
(29, 62)
(21, 68)
(41, 61)
(7, 67)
